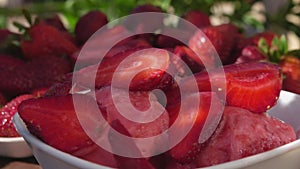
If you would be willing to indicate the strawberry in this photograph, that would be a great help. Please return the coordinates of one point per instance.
(33, 74)
(7, 128)
(56, 22)
(251, 53)
(144, 69)
(195, 117)
(144, 23)
(45, 40)
(220, 37)
(185, 54)
(267, 35)
(291, 69)
(88, 24)
(171, 37)
(128, 148)
(254, 85)
(140, 101)
(116, 40)
(196, 17)
(55, 121)
(9, 61)
(241, 134)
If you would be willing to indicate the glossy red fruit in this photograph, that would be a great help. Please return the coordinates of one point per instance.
(33, 74)
(129, 148)
(88, 24)
(97, 48)
(141, 69)
(220, 38)
(267, 35)
(55, 121)
(56, 22)
(171, 37)
(143, 124)
(184, 55)
(145, 23)
(7, 128)
(235, 137)
(251, 53)
(202, 119)
(254, 85)
(45, 40)
(291, 69)
(196, 17)
(9, 61)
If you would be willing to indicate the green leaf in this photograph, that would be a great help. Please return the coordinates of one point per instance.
(27, 16)
(263, 46)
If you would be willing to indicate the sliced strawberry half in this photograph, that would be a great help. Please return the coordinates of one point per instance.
(138, 69)
(55, 121)
(129, 148)
(254, 86)
(7, 112)
(202, 119)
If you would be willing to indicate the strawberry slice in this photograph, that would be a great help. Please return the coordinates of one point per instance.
(241, 134)
(149, 118)
(7, 128)
(194, 63)
(128, 148)
(138, 69)
(254, 86)
(202, 119)
(55, 121)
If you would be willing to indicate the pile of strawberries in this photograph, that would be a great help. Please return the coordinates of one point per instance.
(38, 81)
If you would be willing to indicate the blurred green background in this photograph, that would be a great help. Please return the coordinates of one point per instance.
(280, 16)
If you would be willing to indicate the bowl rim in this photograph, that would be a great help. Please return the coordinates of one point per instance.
(18, 139)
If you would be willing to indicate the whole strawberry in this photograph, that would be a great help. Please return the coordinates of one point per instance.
(89, 24)
(291, 69)
(196, 17)
(220, 38)
(31, 75)
(43, 40)
(7, 128)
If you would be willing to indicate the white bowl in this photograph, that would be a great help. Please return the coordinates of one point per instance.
(14, 147)
(286, 156)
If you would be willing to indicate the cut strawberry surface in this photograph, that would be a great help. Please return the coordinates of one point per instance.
(145, 121)
(203, 120)
(7, 112)
(138, 69)
(55, 121)
(241, 134)
(129, 148)
(254, 86)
